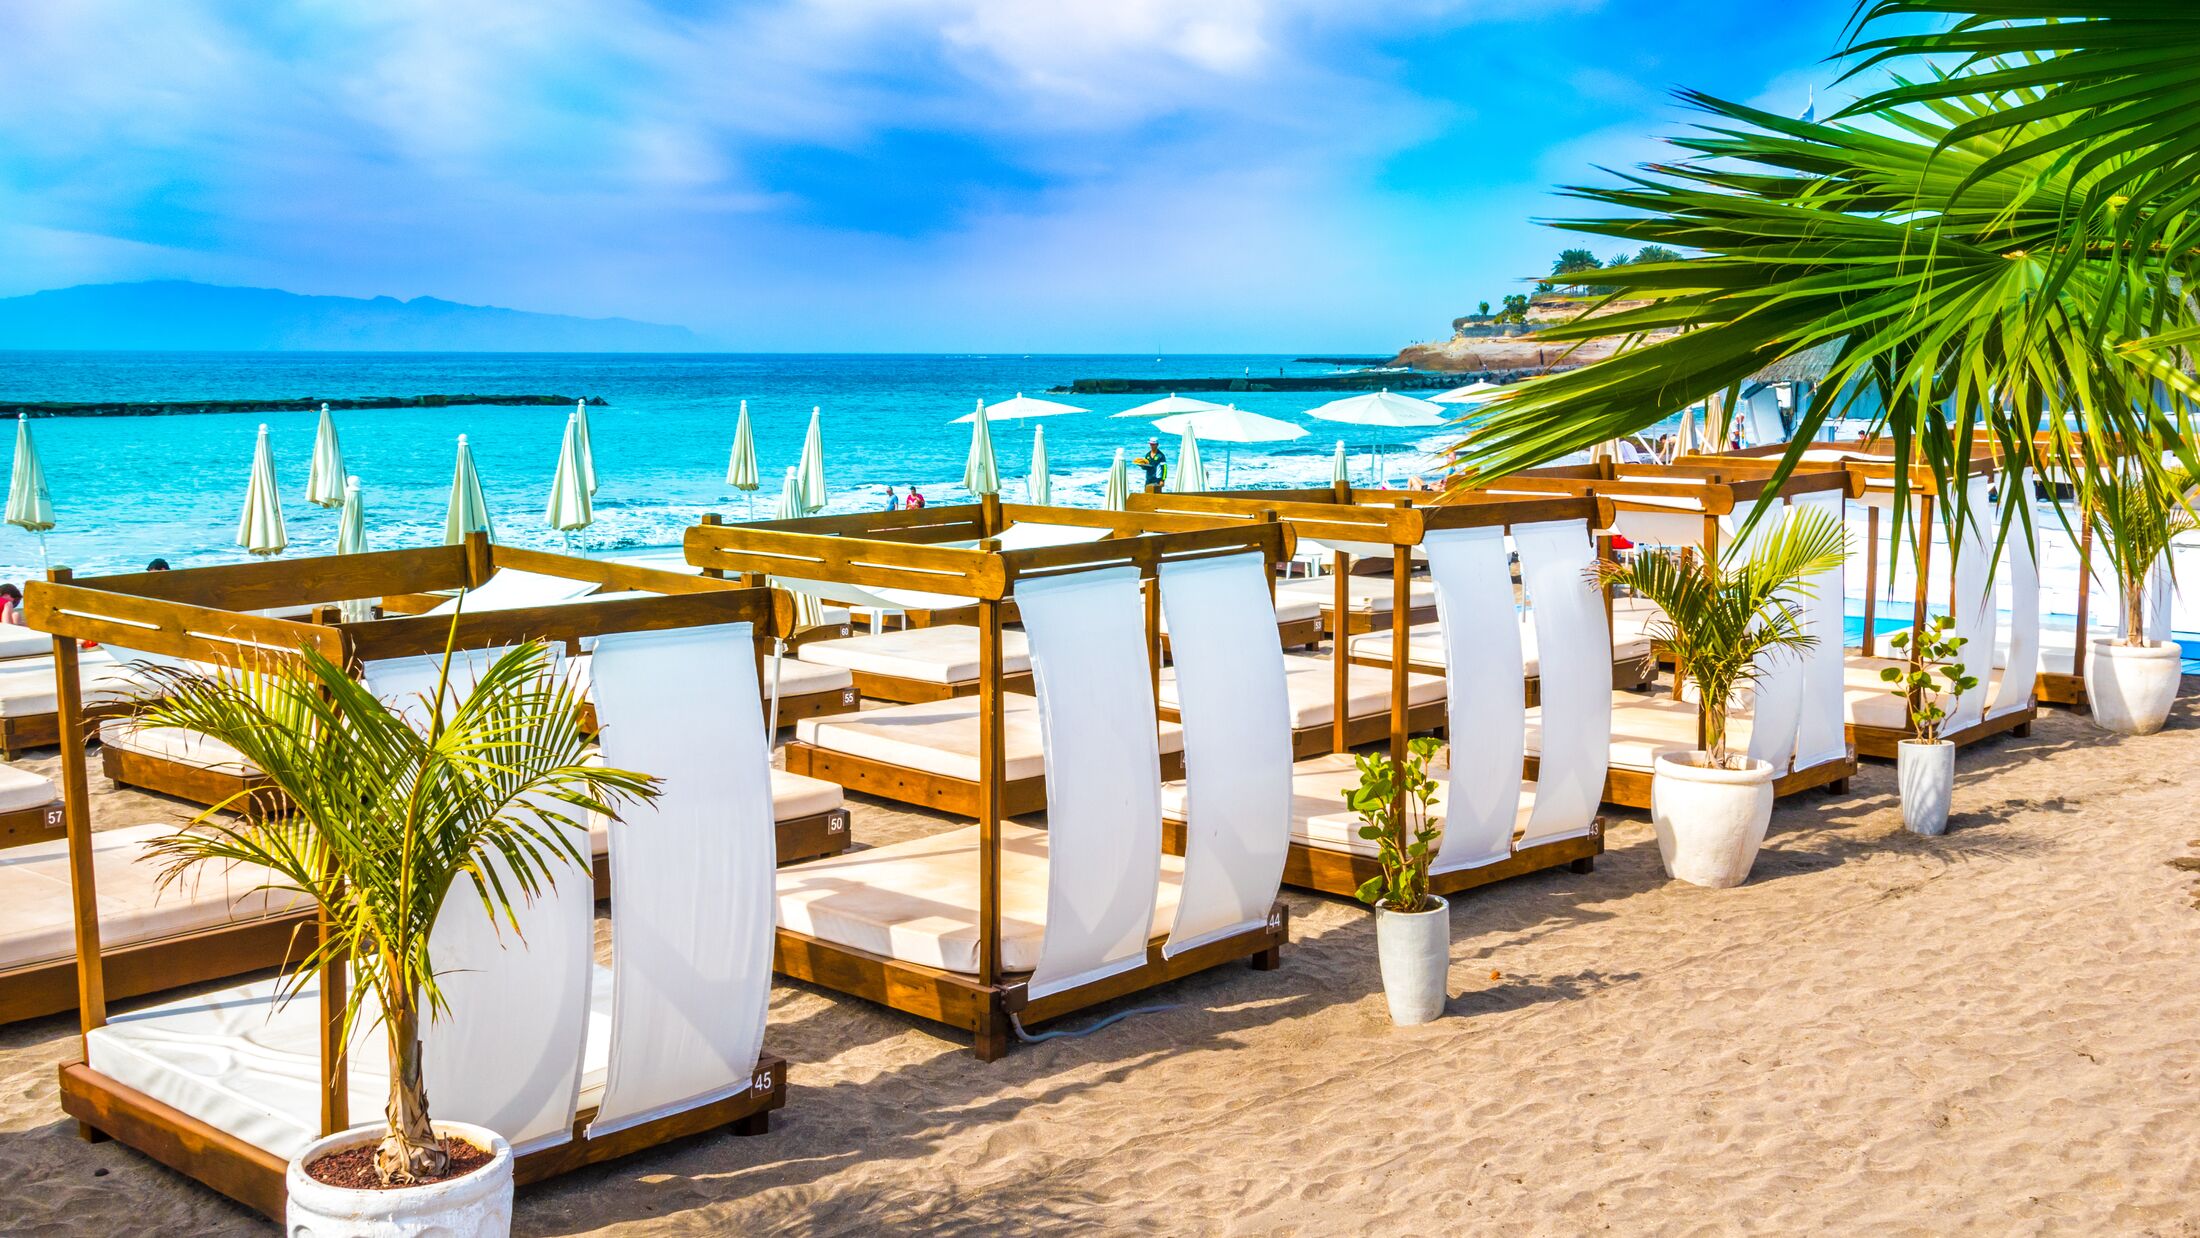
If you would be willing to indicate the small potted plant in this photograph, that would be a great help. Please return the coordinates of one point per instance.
(1926, 764)
(1721, 621)
(382, 822)
(1412, 927)
(2130, 681)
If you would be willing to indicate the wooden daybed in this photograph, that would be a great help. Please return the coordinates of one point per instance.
(230, 1119)
(960, 927)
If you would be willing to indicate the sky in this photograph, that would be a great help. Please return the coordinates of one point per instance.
(863, 175)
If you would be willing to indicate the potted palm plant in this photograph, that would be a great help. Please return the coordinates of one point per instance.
(1926, 763)
(2131, 682)
(1412, 927)
(383, 820)
(1721, 620)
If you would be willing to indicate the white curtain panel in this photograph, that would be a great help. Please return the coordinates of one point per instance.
(1820, 733)
(1776, 694)
(507, 1054)
(2020, 567)
(691, 872)
(1103, 767)
(1660, 528)
(1237, 745)
(1485, 695)
(1575, 649)
(1975, 613)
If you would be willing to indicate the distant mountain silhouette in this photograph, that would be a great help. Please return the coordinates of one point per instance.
(184, 316)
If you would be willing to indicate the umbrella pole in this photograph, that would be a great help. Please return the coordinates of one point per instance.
(44, 563)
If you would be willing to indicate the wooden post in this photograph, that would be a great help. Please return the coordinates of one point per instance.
(713, 520)
(1923, 531)
(989, 509)
(991, 772)
(1151, 587)
(2081, 642)
(1871, 579)
(480, 559)
(335, 1070)
(1401, 604)
(76, 810)
(1340, 658)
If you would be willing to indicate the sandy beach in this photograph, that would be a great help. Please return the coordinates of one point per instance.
(1991, 1032)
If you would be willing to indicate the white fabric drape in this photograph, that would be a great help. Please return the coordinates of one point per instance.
(1974, 609)
(507, 1053)
(2021, 568)
(1485, 695)
(1820, 734)
(1237, 745)
(1574, 646)
(691, 873)
(1103, 770)
(1776, 694)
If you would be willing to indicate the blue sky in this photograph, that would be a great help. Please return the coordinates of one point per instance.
(874, 175)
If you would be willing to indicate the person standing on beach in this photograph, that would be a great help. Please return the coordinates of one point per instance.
(893, 501)
(916, 500)
(1155, 462)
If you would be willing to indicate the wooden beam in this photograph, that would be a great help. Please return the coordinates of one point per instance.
(76, 809)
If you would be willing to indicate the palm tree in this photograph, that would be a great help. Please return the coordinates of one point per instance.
(1723, 620)
(381, 820)
(1991, 253)
(2134, 523)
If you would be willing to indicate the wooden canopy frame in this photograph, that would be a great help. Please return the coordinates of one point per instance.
(986, 1004)
(1386, 518)
(1711, 491)
(198, 614)
(800, 838)
(924, 530)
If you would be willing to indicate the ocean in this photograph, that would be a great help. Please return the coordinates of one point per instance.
(128, 489)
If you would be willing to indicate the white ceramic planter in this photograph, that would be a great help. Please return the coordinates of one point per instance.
(1927, 775)
(1415, 950)
(2131, 687)
(478, 1205)
(1709, 822)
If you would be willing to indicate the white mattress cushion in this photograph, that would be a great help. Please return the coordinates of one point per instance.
(1319, 817)
(1869, 701)
(796, 795)
(1290, 608)
(800, 678)
(17, 641)
(1426, 641)
(36, 924)
(27, 688)
(947, 654)
(1364, 595)
(244, 1063)
(917, 901)
(20, 789)
(941, 737)
(174, 744)
(1645, 725)
(1311, 683)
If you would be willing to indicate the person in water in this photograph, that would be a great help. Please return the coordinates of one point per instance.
(1155, 462)
(916, 500)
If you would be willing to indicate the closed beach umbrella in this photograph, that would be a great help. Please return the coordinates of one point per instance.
(29, 506)
(1169, 405)
(1119, 484)
(1339, 472)
(741, 470)
(980, 474)
(588, 449)
(569, 508)
(260, 527)
(1189, 476)
(351, 539)
(351, 523)
(1021, 407)
(1039, 488)
(808, 611)
(325, 483)
(1684, 441)
(469, 510)
(1230, 425)
(813, 466)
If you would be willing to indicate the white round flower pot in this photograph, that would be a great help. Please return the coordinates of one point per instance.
(2131, 687)
(1709, 822)
(1415, 950)
(1927, 775)
(478, 1205)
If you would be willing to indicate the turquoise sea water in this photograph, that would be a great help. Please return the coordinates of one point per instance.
(127, 489)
